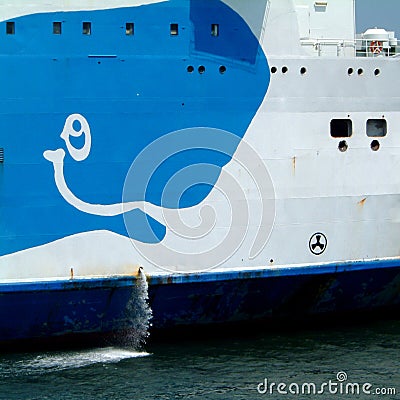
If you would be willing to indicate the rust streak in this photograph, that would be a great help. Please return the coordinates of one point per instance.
(294, 164)
(362, 202)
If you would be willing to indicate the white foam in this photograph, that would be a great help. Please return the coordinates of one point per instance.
(78, 359)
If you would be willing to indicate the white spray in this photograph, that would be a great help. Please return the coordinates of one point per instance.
(139, 313)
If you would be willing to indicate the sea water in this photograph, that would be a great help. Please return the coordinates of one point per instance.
(242, 366)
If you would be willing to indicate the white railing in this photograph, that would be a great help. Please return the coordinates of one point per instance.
(358, 47)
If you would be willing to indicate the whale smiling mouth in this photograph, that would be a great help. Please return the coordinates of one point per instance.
(56, 157)
(202, 235)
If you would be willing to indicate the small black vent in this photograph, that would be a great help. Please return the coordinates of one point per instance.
(10, 28)
(1, 155)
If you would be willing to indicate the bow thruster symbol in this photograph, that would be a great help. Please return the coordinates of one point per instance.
(318, 243)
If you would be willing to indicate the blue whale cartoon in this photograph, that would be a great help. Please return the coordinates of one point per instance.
(182, 64)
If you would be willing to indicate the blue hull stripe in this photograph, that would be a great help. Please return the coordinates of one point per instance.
(106, 305)
(115, 282)
(275, 272)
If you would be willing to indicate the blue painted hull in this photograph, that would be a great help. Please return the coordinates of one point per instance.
(49, 309)
(134, 90)
(101, 306)
(279, 294)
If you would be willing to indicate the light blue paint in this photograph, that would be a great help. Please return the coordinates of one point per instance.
(381, 14)
(140, 92)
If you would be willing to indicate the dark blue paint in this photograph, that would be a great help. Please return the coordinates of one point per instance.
(46, 309)
(231, 43)
(140, 92)
(73, 309)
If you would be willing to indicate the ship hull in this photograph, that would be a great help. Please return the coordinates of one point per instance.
(105, 307)
(247, 169)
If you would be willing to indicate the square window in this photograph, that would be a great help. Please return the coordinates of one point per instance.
(129, 28)
(215, 30)
(376, 127)
(320, 6)
(87, 28)
(174, 29)
(57, 28)
(341, 128)
(10, 28)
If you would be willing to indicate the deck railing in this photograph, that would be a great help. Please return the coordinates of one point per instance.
(358, 47)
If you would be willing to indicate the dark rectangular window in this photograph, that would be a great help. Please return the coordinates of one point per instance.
(57, 28)
(174, 29)
(129, 28)
(10, 28)
(376, 127)
(215, 30)
(87, 28)
(341, 128)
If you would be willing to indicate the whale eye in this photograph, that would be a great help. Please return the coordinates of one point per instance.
(76, 125)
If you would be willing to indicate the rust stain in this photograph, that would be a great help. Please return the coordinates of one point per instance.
(294, 164)
(362, 202)
(136, 271)
(72, 273)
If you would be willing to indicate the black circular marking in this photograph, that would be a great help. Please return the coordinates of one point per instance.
(318, 243)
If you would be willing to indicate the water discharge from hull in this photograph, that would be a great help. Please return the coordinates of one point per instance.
(139, 314)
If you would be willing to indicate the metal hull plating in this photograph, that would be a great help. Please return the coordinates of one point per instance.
(51, 309)
(245, 157)
(287, 294)
(103, 306)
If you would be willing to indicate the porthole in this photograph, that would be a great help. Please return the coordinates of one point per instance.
(303, 70)
(190, 69)
(202, 69)
(129, 28)
(57, 30)
(350, 71)
(285, 69)
(375, 145)
(360, 71)
(377, 71)
(87, 28)
(376, 127)
(343, 146)
(274, 70)
(215, 30)
(222, 69)
(173, 29)
(341, 128)
(10, 28)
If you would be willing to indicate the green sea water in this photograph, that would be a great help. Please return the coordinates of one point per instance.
(232, 366)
